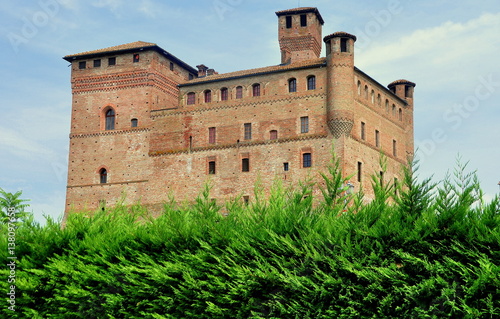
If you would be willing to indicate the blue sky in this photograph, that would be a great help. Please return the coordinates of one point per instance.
(450, 50)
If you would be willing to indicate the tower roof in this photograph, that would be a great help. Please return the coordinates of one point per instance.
(129, 47)
(302, 10)
(339, 34)
(401, 81)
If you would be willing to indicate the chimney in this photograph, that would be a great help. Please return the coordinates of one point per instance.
(202, 70)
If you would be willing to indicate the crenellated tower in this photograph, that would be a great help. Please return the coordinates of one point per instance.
(404, 90)
(299, 33)
(340, 78)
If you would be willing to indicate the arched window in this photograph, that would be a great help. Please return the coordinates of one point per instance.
(387, 106)
(379, 100)
(239, 92)
(400, 114)
(292, 85)
(311, 83)
(256, 89)
(224, 94)
(208, 96)
(110, 119)
(366, 92)
(359, 87)
(134, 122)
(373, 97)
(103, 176)
(393, 110)
(191, 98)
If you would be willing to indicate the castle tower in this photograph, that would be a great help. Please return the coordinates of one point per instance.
(404, 90)
(299, 33)
(340, 79)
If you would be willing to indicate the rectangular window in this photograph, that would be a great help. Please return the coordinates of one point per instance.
(363, 137)
(97, 63)
(239, 92)
(394, 148)
(304, 124)
(248, 131)
(136, 58)
(211, 135)
(191, 98)
(224, 94)
(360, 171)
(171, 66)
(306, 160)
(288, 22)
(343, 45)
(112, 61)
(256, 90)
(211, 167)
(191, 76)
(82, 65)
(273, 135)
(377, 138)
(286, 167)
(303, 20)
(245, 165)
(246, 199)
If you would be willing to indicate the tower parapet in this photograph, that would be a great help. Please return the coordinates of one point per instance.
(340, 77)
(403, 89)
(299, 33)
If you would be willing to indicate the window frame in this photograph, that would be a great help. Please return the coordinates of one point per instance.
(247, 131)
(306, 159)
(245, 164)
(304, 124)
(136, 58)
(134, 122)
(109, 119)
(82, 65)
(97, 63)
(311, 82)
(103, 176)
(212, 135)
(224, 94)
(191, 98)
(273, 134)
(207, 96)
(239, 92)
(292, 85)
(112, 61)
(256, 90)
(212, 167)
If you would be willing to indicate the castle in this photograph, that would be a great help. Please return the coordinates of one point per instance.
(146, 124)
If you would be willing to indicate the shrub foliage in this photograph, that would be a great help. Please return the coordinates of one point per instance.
(418, 250)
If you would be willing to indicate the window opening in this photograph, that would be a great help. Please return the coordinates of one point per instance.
(306, 160)
(248, 131)
(292, 85)
(134, 122)
(304, 124)
(245, 165)
(103, 176)
(110, 119)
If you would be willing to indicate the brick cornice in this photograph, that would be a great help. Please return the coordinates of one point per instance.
(110, 132)
(238, 145)
(257, 101)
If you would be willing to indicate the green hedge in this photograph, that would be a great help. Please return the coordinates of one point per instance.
(419, 250)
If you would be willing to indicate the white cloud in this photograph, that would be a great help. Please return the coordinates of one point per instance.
(15, 143)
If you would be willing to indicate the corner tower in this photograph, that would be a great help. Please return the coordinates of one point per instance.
(340, 78)
(299, 34)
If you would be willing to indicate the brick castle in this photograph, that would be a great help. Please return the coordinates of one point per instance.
(146, 124)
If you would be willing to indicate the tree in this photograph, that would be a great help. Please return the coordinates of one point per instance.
(12, 207)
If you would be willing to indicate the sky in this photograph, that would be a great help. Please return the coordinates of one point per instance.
(449, 49)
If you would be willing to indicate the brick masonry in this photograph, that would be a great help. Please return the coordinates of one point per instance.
(159, 144)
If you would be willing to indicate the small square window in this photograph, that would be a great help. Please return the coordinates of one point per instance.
(286, 167)
(97, 63)
(82, 65)
(191, 76)
(343, 45)
(112, 61)
(134, 122)
(288, 22)
(136, 58)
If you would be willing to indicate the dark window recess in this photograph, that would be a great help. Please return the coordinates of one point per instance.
(292, 85)
(97, 63)
(273, 135)
(394, 148)
(224, 94)
(239, 92)
(245, 165)
(136, 57)
(171, 66)
(246, 200)
(211, 167)
(306, 160)
(343, 45)
(103, 176)
(112, 61)
(191, 76)
(286, 167)
(134, 122)
(208, 96)
(248, 131)
(311, 83)
(304, 124)
(363, 136)
(377, 138)
(288, 22)
(256, 90)
(211, 135)
(191, 98)
(110, 119)
(303, 20)
(82, 65)
(360, 171)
